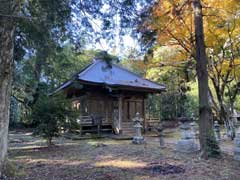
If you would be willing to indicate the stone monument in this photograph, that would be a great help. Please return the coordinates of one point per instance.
(194, 128)
(217, 131)
(160, 133)
(187, 142)
(138, 138)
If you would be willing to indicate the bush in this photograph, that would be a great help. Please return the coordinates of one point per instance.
(14, 113)
(170, 105)
(12, 171)
(50, 114)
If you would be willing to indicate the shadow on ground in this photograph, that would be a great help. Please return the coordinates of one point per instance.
(106, 159)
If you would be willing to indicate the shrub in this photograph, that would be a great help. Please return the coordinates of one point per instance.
(51, 114)
(12, 171)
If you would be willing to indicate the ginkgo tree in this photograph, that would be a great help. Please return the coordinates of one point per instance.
(173, 23)
(169, 22)
(223, 49)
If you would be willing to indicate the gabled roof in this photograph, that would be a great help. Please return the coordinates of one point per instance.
(112, 75)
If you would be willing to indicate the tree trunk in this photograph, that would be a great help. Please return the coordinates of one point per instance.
(205, 114)
(49, 141)
(6, 65)
(223, 111)
(225, 117)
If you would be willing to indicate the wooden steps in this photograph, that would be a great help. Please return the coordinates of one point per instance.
(127, 128)
(94, 128)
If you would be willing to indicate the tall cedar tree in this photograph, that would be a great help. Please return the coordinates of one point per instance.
(7, 28)
(205, 114)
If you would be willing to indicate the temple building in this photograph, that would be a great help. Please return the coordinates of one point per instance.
(109, 94)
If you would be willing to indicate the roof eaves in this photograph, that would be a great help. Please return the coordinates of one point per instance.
(61, 87)
(121, 85)
(139, 75)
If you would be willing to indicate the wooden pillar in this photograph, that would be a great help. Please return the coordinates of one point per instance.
(120, 113)
(106, 109)
(143, 115)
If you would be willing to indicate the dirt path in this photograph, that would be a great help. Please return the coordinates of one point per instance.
(107, 159)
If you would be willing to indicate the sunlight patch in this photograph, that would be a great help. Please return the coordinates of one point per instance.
(95, 143)
(29, 147)
(55, 162)
(121, 164)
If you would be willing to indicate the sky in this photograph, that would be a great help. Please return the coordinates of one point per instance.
(127, 42)
(119, 44)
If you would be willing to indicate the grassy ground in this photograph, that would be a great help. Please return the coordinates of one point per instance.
(106, 159)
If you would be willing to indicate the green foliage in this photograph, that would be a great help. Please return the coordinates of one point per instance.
(192, 99)
(37, 40)
(104, 55)
(14, 112)
(170, 105)
(181, 98)
(51, 115)
(9, 169)
(64, 63)
(238, 103)
(59, 66)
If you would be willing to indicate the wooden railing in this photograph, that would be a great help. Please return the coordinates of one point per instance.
(90, 120)
(85, 120)
(94, 124)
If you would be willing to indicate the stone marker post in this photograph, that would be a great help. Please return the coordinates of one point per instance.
(138, 138)
(187, 143)
(194, 129)
(237, 145)
(237, 141)
(217, 131)
(161, 139)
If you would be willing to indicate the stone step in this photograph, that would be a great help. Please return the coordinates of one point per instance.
(127, 125)
(127, 128)
(128, 132)
(133, 130)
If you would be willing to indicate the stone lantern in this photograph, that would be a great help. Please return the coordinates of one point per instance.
(237, 145)
(138, 138)
(237, 140)
(236, 119)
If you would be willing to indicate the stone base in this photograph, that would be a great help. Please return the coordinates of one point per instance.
(162, 146)
(237, 153)
(138, 140)
(186, 146)
(237, 157)
(237, 146)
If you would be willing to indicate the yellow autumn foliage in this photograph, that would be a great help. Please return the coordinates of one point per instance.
(173, 21)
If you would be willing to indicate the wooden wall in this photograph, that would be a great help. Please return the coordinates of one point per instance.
(103, 105)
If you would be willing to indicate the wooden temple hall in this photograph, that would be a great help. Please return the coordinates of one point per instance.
(109, 96)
